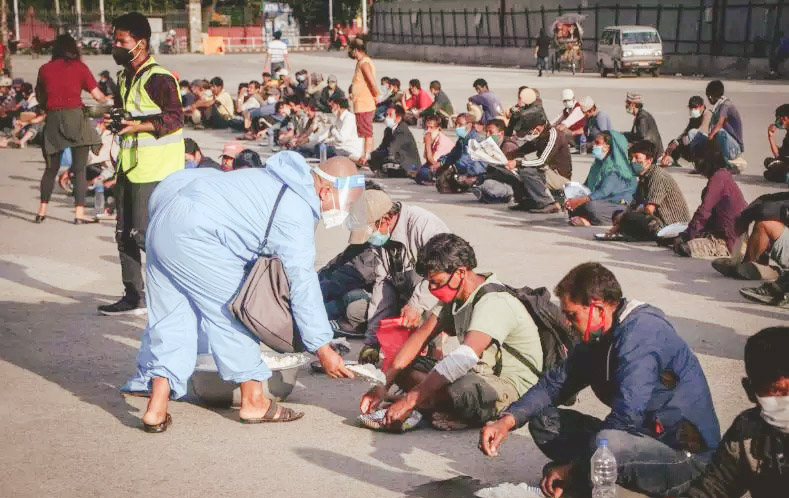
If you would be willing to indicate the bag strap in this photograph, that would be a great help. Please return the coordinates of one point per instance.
(271, 219)
(487, 289)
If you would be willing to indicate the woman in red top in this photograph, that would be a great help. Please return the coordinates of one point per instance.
(59, 87)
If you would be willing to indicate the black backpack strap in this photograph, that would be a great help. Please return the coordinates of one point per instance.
(271, 219)
(487, 289)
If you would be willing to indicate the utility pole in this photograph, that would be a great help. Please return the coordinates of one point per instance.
(78, 5)
(4, 31)
(364, 16)
(331, 15)
(101, 13)
(16, 20)
(57, 16)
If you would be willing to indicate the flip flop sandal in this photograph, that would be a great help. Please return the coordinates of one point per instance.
(375, 421)
(578, 221)
(286, 415)
(615, 237)
(157, 428)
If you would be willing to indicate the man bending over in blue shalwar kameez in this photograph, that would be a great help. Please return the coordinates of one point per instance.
(205, 227)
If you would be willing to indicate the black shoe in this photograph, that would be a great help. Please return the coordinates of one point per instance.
(768, 293)
(519, 207)
(123, 307)
(85, 221)
(40, 218)
(547, 209)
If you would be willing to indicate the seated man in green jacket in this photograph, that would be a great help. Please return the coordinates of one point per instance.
(473, 383)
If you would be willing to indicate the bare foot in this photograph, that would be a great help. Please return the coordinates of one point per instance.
(444, 422)
(156, 413)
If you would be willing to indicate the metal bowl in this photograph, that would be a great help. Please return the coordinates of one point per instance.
(208, 388)
(97, 110)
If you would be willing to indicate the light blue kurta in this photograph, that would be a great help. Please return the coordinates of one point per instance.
(205, 227)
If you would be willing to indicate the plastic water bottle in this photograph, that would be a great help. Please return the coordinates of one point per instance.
(582, 144)
(603, 471)
(98, 197)
(322, 148)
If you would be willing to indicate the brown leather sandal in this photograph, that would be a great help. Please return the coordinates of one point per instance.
(157, 428)
(286, 415)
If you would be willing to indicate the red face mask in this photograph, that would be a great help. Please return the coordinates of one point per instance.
(589, 333)
(446, 293)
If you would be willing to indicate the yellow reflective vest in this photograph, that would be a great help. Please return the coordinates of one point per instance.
(143, 157)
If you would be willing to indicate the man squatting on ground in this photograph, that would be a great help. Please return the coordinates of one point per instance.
(662, 426)
(499, 356)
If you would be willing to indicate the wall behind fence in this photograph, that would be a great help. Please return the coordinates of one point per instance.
(745, 29)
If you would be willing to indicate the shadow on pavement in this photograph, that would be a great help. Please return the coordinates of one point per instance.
(84, 353)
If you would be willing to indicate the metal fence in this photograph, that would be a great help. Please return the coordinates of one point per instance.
(746, 29)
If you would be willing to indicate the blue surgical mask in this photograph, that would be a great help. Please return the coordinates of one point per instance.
(779, 124)
(190, 164)
(461, 132)
(378, 239)
(597, 152)
(637, 167)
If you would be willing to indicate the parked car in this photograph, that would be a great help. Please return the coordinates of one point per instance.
(95, 41)
(634, 49)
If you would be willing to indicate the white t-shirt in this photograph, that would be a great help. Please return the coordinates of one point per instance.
(277, 49)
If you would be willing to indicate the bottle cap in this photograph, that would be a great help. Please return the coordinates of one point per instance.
(602, 442)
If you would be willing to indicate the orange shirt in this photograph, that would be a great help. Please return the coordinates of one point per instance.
(363, 98)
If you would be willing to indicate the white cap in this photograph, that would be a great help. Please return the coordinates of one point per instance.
(587, 103)
(283, 72)
(567, 94)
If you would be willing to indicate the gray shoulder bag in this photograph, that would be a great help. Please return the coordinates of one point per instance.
(263, 302)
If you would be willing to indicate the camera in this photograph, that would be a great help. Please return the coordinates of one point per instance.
(116, 116)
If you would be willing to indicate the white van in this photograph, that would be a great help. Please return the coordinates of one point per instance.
(633, 49)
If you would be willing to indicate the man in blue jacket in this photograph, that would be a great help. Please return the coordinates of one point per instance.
(205, 228)
(458, 171)
(662, 426)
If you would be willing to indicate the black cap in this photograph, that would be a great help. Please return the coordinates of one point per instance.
(104, 74)
(695, 101)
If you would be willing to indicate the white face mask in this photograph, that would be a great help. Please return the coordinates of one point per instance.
(775, 411)
(390, 122)
(271, 100)
(569, 104)
(695, 113)
(333, 217)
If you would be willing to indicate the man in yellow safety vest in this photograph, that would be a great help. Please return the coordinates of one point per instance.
(152, 147)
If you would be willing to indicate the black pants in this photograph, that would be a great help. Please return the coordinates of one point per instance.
(132, 204)
(638, 226)
(528, 185)
(79, 160)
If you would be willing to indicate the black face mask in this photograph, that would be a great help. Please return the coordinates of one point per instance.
(351, 54)
(123, 57)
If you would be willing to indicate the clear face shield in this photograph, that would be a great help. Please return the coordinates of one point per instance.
(348, 204)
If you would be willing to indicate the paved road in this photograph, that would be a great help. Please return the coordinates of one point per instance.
(66, 431)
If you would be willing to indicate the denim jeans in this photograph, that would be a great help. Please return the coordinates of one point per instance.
(730, 147)
(644, 464)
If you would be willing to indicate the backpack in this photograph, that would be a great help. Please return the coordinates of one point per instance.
(555, 336)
